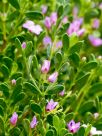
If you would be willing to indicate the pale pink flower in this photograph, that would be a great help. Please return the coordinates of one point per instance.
(62, 93)
(44, 9)
(36, 29)
(13, 81)
(45, 67)
(96, 23)
(29, 25)
(47, 40)
(53, 18)
(48, 22)
(53, 77)
(24, 45)
(33, 122)
(14, 118)
(73, 127)
(95, 41)
(51, 105)
(81, 32)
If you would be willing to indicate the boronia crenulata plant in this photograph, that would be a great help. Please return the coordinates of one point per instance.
(50, 67)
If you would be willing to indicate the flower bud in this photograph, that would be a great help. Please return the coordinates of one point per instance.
(47, 22)
(45, 67)
(53, 77)
(51, 105)
(33, 122)
(24, 45)
(13, 82)
(14, 118)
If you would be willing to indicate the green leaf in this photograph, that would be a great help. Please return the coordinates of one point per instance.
(76, 47)
(30, 87)
(67, 9)
(34, 15)
(36, 108)
(87, 106)
(73, 39)
(28, 49)
(81, 82)
(55, 89)
(1, 126)
(81, 131)
(65, 41)
(3, 103)
(63, 29)
(89, 117)
(41, 127)
(91, 13)
(14, 3)
(63, 132)
(19, 97)
(50, 133)
(1, 111)
(69, 117)
(26, 124)
(15, 131)
(18, 43)
(5, 71)
(40, 38)
(96, 88)
(69, 134)
(87, 130)
(49, 50)
(8, 62)
(16, 91)
(75, 59)
(56, 122)
(16, 75)
(60, 10)
(4, 88)
(89, 66)
(13, 15)
(58, 60)
(35, 62)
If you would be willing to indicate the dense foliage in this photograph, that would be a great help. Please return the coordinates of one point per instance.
(50, 67)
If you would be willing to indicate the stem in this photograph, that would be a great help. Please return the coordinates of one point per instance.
(84, 91)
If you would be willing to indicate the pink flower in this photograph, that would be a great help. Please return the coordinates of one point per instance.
(51, 105)
(45, 67)
(75, 26)
(73, 127)
(53, 77)
(47, 22)
(44, 9)
(29, 25)
(36, 29)
(81, 32)
(100, 6)
(59, 44)
(95, 41)
(65, 20)
(14, 118)
(53, 18)
(47, 41)
(62, 93)
(96, 115)
(13, 81)
(96, 23)
(33, 122)
(24, 45)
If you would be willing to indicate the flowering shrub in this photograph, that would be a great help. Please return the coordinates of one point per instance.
(50, 67)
